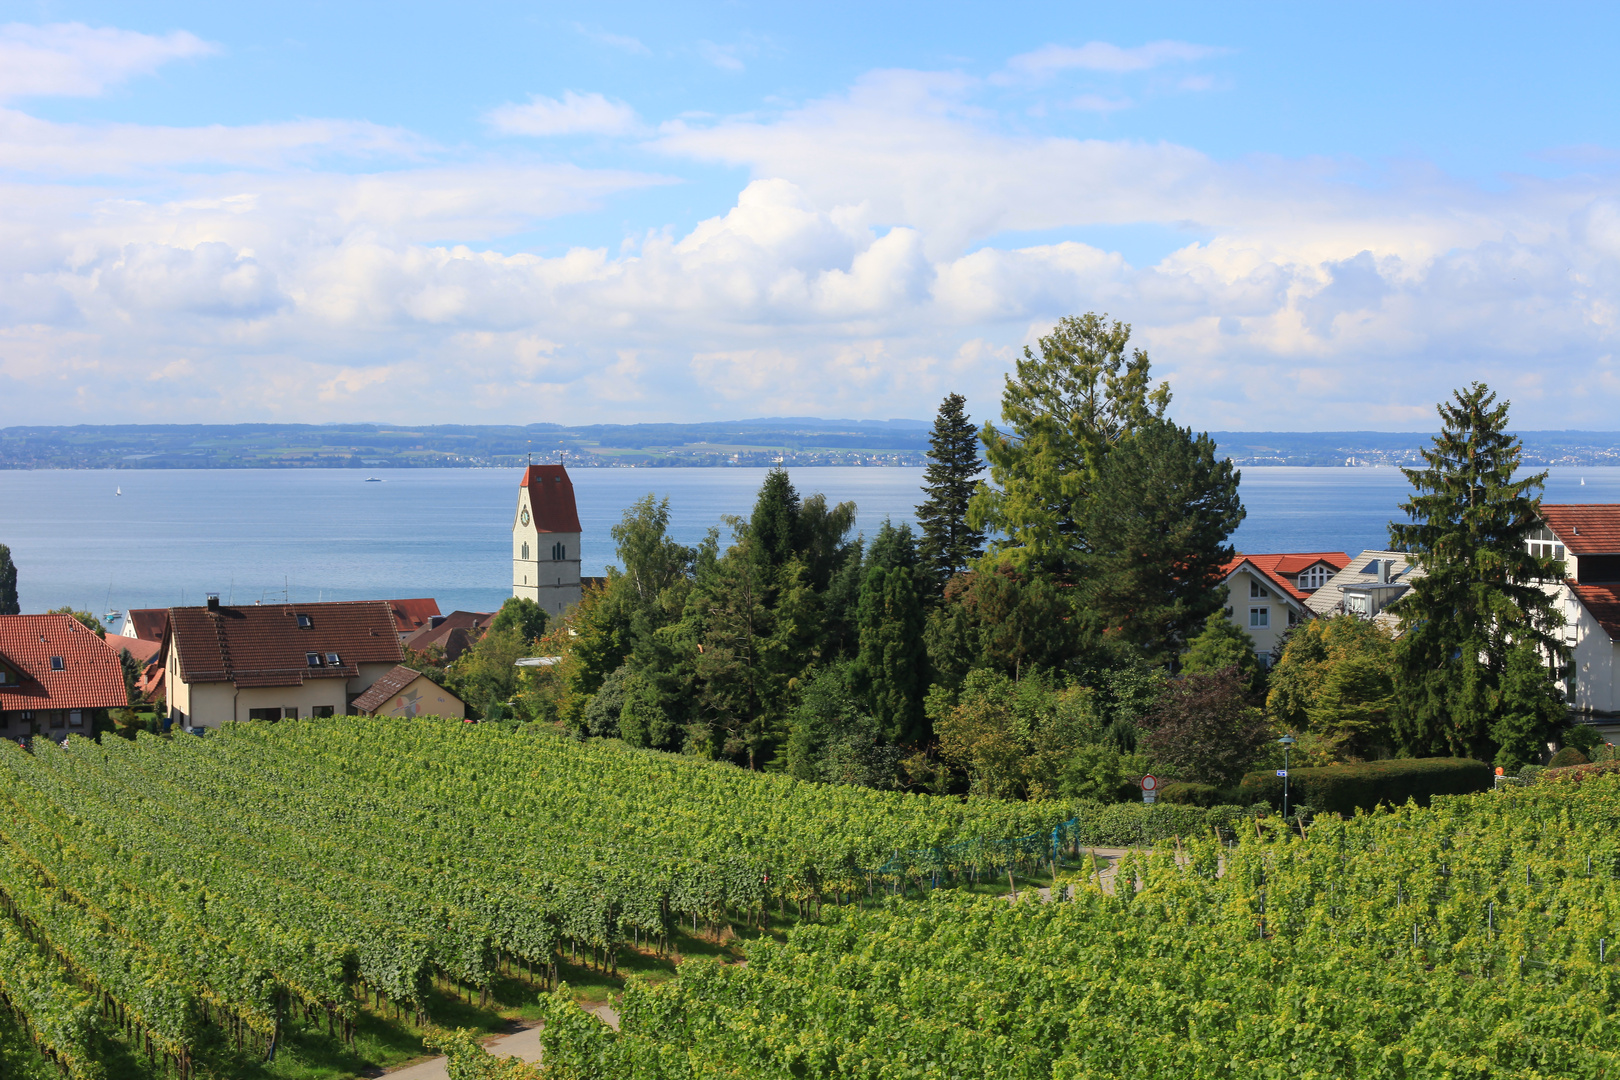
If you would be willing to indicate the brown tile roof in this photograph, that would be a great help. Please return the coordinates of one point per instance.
(91, 676)
(412, 615)
(1585, 528)
(1284, 570)
(1603, 601)
(386, 687)
(551, 494)
(139, 648)
(266, 646)
(454, 633)
(149, 623)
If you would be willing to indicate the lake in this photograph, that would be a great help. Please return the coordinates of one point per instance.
(320, 534)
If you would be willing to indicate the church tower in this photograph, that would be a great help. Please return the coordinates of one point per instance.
(545, 540)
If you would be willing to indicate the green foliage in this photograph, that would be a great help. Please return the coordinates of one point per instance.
(1001, 619)
(891, 665)
(486, 674)
(950, 544)
(1583, 737)
(1480, 603)
(643, 721)
(1221, 645)
(652, 561)
(1014, 739)
(602, 714)
(1344, 789)
(84, 617)
(1156, 528)
(8, 583)
(525, 616)
(1204, 730)
(1064, 411)
(1097, 771)
(1185, 794)
(132, 669)
(1566, 757)
(834, 739)
(1336, 678)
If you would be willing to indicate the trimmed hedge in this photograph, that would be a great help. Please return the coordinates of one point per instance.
(1568, 757)
(1188, 794)
(1135, 824)
(1344, 789)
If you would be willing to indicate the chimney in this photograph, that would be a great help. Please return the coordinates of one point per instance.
(1384, 567)
(213, 601)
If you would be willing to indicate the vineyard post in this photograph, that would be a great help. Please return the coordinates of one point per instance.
(1287, 742)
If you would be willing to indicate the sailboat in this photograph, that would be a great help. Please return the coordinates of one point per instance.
(119, 490)
(1583, 481)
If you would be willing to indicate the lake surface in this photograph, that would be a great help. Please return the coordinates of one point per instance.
(320, 534)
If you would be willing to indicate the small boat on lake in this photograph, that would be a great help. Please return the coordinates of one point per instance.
(373, 480)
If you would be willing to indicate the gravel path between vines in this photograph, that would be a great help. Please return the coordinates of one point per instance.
(523, 1044)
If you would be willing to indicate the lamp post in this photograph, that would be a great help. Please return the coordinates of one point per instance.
(1287, 742)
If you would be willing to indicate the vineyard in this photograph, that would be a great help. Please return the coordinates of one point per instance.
(195, 893)
(1473, 939)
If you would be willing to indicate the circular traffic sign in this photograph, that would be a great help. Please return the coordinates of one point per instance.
(1150, 782)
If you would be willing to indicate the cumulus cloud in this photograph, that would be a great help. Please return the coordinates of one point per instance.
(574, 114)
(81, 61)
(864, 268)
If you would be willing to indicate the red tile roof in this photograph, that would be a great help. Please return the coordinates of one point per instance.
(551, 494)
(139, 648)
(91, 676)
(1585, 528)
(377, 695)
(412, 615)
(149, 623)
(465, 621)
(265, 646)
(1603, 601)
(1284, 570)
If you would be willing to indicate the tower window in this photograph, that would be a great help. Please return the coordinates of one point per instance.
(559, 552)
(525, 551)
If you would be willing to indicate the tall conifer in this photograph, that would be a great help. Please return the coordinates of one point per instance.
(8, 583)
(1480, 611)
(949, 542)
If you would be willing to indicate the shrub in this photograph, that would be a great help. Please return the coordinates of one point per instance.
(1191, 794)
(1566, 757)
(1203, 728)
(1344, 789)
(1139, 824)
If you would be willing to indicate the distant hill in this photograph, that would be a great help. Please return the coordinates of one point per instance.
(793, 440)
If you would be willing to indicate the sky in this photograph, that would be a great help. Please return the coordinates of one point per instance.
(1313, 217)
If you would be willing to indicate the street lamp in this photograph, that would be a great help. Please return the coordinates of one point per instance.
(1287, 742)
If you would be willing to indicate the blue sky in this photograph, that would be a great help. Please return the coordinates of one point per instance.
(1313, 218)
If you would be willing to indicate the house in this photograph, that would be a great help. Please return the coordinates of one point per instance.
(274, 661)
(545, 540)
(454, 633)
(147, 624)
(1586, 539)
(412, 615)
(1366, 587)
(406, 692)
(56, 677)
(1267, 594)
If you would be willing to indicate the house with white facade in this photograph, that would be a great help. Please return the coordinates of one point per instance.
(1585, 537)
(1268, 594)
(1366, 588)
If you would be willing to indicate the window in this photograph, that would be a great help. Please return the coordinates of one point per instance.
(56, 663)
(559, 552)
(3, 676)
(1293, 617)
(58, 718)
(313, 659)
(1356, 603)
(525, 551)
(289, 714)
(1313, 579)
(305, 622)
(322, 710)
(1257, 591)
(76, 718)
(1259, 616)
(332, 660)
(264, 714)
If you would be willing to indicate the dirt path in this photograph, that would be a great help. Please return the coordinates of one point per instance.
(523, 1044)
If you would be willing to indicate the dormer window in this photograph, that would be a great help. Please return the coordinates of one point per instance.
(1313, 579)
(313, 659)
(305, 622)
(56, 663)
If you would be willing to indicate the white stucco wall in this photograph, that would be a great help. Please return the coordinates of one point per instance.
(1276, 604)
(1593, 658)
(552, 583)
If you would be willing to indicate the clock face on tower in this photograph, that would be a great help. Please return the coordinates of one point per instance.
(524, 517)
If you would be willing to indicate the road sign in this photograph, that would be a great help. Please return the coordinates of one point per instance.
(1282, 772)
(1150, 783)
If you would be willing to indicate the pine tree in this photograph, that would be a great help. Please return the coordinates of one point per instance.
(949, 542)
(8, 583)
(774, 524)
(1480, 597)
(892, 664)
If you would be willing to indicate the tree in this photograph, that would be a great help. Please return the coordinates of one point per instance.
(132, 674)
(1158, 524)
(834, 740)
(1223, 644)
(1000, 618)
(1013, 739)
(525, 616)
(1336, 678)
(1065, 411)
(774, 524)
(486, 674)
(1204, 730)
(892, 663)
(949, 542)
(8, 583)
(1479, 600)
(84, 617)
(652, 561)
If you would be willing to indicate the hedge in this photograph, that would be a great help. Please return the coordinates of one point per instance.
(1135, 824)
(1344, 789)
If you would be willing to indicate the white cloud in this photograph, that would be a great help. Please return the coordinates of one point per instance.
(617, 41)
(575, 114)
(81, 61)
(721, 56)
(1103, 56)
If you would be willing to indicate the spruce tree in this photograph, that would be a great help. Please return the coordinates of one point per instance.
(774, 524)
(1479, 607)
(8, 583)
(949, 542)
(892, 664)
